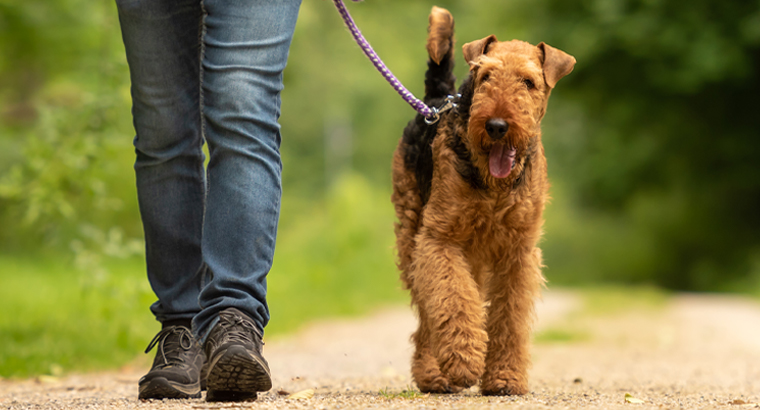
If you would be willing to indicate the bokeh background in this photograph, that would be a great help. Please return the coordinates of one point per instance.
(653, 145)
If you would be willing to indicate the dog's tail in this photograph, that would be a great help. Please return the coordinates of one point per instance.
(439, 78)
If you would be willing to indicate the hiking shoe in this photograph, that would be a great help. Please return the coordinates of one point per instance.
(236, 368)
(177, 367)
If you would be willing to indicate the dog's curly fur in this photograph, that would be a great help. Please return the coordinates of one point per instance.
(469, 192)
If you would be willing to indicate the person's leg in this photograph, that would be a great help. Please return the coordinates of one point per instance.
(246, 45)
(162, 43)
(161, 39)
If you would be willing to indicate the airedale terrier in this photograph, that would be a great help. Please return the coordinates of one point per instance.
(469, 193)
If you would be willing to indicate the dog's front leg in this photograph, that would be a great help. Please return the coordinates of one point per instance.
(449, 297)
(512, 292)
(425, 370)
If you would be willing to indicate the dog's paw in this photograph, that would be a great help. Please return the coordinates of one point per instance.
(437, 385)
(463, 377)
(463, 372)
(503, 384)
(429, 378)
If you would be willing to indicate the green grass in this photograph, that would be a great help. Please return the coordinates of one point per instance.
(58, 319)
(603, 301)
(407, 394)
(561, 335)
(616, 299)
(334, 258)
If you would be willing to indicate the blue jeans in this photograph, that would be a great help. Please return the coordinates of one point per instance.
(208, 70)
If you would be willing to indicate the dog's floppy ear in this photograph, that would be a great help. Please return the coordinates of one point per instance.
(557, 63)
(475, 49)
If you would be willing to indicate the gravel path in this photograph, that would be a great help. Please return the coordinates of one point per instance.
(698, 352)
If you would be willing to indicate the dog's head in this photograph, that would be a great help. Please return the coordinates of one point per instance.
(510, 83)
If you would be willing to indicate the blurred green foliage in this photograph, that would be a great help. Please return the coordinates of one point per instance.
(652, 143)
(665, 136)
(335, 257)
(55, 320)
(65, 149)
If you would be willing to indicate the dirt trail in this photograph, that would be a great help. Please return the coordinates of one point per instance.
(698, 352)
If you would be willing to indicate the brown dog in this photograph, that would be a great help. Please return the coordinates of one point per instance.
(469, 192)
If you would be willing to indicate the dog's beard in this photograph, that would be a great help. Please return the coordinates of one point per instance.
(501, 160)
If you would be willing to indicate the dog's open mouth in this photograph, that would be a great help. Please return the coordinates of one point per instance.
(501, 160)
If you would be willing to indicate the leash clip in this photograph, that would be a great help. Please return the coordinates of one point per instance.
(447, 105)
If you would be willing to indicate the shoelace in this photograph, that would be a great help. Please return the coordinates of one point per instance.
(184, 342)
(233, 323)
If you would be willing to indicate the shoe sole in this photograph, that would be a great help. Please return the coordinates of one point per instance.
(163, 388)
(236, 375)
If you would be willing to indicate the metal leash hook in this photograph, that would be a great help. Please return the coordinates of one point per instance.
(436, 112)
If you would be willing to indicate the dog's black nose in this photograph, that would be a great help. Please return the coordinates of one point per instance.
(496, 128)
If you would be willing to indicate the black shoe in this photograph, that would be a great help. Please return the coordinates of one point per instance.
(177, 367)
(236, 368)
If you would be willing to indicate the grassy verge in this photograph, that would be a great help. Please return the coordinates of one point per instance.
(57, 319)
(617, 299)
(334, 257)
(603, 302)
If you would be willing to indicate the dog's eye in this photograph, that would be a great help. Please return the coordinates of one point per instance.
(485, 77)
(528, 83)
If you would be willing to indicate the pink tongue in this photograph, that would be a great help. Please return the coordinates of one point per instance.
(501, 160)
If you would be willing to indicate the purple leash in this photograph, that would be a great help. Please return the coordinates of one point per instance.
(431, 114)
